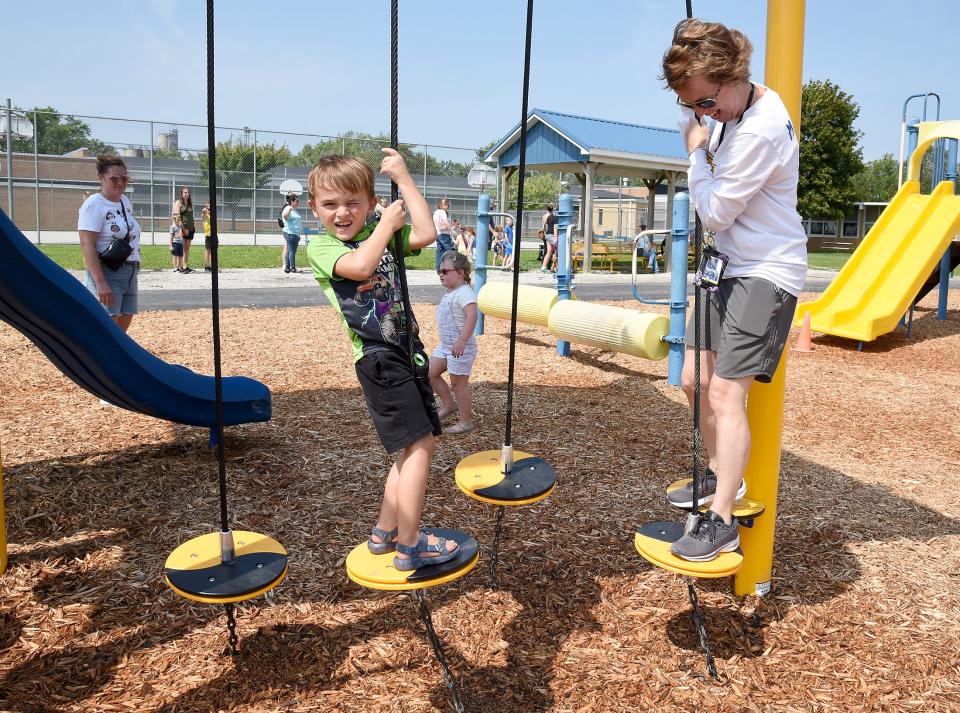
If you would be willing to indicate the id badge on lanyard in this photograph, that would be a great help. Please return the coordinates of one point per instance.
(710, 269)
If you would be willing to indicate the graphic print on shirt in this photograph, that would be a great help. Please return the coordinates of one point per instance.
(376, 304)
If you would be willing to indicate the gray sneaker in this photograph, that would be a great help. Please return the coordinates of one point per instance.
(683, 497)
(709, 537)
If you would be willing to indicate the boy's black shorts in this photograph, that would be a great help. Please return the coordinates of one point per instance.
(402, 406)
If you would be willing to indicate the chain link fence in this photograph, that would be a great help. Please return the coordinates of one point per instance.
(47, 168)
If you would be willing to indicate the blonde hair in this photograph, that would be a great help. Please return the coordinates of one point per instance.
(458, 261)
(706, 49)
(342, 173)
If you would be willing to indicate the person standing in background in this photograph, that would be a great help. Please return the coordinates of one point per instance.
(183, 207)
(441, 221)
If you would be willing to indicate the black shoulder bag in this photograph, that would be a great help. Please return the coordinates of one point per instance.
(116, 254)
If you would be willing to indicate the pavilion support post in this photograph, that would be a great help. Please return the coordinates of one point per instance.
(582, 180)
(671, 191)
(652, 200)
(589, 172)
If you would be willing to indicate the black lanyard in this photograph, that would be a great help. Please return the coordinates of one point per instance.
(724, 127)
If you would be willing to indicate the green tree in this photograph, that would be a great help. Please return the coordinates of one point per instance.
(539, 189)
(58, 134)
(877, 182)
(829, 155)
(235, 175)
(483, 150)
(367, 147)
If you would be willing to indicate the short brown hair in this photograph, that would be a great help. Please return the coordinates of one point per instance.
(343, 173)
(706, 49)
(107, 161)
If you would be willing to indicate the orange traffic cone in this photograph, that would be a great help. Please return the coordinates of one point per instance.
(803, 339)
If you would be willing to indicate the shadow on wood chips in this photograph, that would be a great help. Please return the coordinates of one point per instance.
(864, 588)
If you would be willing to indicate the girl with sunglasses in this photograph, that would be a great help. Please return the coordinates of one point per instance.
(456, 319)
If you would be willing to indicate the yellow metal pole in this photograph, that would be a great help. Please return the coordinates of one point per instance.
(3, 525)
(784, 74)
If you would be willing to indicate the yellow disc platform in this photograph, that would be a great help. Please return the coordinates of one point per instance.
(195, 572)
(479, 476)
(743, 509)
(653, 542)
(377, 571)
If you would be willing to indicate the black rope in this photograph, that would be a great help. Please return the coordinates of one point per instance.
(437, 645)
(508, 435)
(215, 284)
(394, 191)
(702, 630)
(495, 550)
(231, 630)
(697, 341)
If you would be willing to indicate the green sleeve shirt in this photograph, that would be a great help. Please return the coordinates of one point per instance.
(370, 310)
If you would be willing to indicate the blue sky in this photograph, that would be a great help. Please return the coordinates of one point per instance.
(323, 67)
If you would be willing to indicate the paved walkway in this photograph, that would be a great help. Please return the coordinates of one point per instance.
(275, 278)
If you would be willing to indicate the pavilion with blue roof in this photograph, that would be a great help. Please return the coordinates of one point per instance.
(589, 147)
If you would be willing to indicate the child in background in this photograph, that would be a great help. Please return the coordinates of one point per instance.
(207, 239)
(456, 319)
(468, 237)
(353, 264)
(508, 244)
(176, 243)
(496, 244)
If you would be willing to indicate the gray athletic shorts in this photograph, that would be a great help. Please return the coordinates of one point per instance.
(749, 320)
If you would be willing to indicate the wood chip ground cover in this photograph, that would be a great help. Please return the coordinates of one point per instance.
(866, 590)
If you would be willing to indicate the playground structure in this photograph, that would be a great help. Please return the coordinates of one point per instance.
(69, 326)
(570, 325)
(887, 273)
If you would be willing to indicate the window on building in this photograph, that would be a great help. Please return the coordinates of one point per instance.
(600, 217)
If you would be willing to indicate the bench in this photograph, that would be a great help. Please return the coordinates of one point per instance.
(604, 254)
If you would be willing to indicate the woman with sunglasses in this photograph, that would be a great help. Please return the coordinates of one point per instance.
(104, 216)
(744, 168)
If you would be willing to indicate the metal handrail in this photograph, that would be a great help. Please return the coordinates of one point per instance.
(633, 267)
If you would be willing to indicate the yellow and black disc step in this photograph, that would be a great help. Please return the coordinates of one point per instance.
(653, 542)
(530, 480)
(195, 572)
(377, 571)
(743, 509)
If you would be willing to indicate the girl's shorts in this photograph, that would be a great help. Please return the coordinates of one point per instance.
(457, 366)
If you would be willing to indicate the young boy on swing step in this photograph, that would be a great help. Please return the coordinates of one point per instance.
(743, 181)
(354, 264)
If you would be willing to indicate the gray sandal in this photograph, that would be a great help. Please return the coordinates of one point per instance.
(415, 561)
(381, 548)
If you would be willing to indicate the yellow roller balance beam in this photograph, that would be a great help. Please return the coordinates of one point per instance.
(533, 303)
(615, 328)
(201, 555)
(377, 571)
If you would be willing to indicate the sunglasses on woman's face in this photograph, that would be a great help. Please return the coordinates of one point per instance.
(707, 103)
(445, 270)
(119, 179)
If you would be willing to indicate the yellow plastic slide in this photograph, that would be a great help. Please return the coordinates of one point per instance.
(880, 280)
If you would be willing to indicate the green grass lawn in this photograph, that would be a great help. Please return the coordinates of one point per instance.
(827, 260)
(157, 257)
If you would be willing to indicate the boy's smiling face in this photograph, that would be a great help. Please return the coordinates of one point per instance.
(343, 213)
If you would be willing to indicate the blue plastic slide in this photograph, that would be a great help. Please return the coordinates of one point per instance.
(67, 323)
